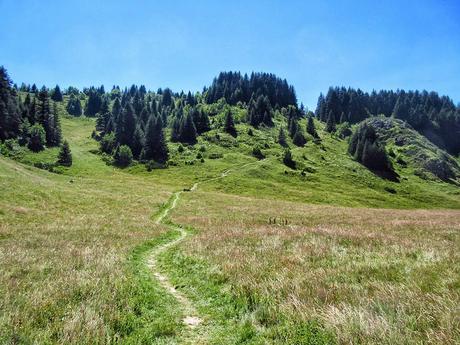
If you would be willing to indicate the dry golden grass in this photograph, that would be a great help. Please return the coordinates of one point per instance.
(369, 275)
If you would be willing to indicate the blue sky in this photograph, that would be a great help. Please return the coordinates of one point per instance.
(184, 44)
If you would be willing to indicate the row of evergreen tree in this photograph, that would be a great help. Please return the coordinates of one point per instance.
(234, 88)
(432, 115)
(34, 121)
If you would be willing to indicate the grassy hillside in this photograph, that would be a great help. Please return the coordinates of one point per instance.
(73, 245)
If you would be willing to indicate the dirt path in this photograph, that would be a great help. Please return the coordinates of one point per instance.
(191, 317)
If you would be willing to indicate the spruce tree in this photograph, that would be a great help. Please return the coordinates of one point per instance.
(65, 155)
(56, 95)
(138, 141)
(299, 138)
(155, 147)
(175, 130)
(287, 159)
(229, 125)
(74, 106)
(10, 116)
(330, 124)
(188, 131)
(311, 129)
(282, 137)
(125, 126)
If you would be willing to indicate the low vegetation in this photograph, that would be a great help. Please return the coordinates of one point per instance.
(305, 228)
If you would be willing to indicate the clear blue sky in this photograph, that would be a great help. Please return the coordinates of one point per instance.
(184, 44)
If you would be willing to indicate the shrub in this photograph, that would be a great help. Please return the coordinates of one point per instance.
(256, 152)
(215, 155)
(287, 159)
(123, 156)
(344, 130)
(107, 143)
(180, 149)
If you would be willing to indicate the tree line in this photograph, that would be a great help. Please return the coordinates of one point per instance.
(33, 121)
(432, 115)
(234, 88)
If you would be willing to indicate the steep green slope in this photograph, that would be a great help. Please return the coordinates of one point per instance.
(410, 147)
(325, 173)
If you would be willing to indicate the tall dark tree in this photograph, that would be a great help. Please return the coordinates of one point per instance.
(175, 129)
(282, 137)
(74, 106)
(299, 138)
(187, 130)
(94, 102)
(365, 147)
(330, 124)
(138, 141)
(49, 118)
(201, 120)
(260, 111)
(288, 160)
(125, 126)
(65, 155)
(229, 125)
(155, 147)
(10, 116)
(56, 95)
(311, 129)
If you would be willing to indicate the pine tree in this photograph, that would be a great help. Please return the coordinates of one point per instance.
(56, 95)
(10, 116)
(188, 130)
(155, 147)
(137, 141)
(287, 159)
(299, 138)
(229, 125)
(282, 137)
(74, 106)
(311, 129)
(57, 131)
(175, 130)
(65, 155)
(125, 126)
(94, 102)
(330, 124)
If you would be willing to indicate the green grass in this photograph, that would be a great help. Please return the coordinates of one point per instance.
(73, 244)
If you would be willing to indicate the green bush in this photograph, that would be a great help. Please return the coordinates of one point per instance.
(107, 143)
(256, 152)
(287, 159)
(123, 156)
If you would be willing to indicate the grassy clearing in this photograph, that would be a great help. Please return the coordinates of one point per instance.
(363, 275)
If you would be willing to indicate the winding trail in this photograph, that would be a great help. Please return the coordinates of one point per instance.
(191, 317)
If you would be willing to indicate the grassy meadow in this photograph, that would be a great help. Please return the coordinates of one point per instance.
(352, 275)
(350, 257)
